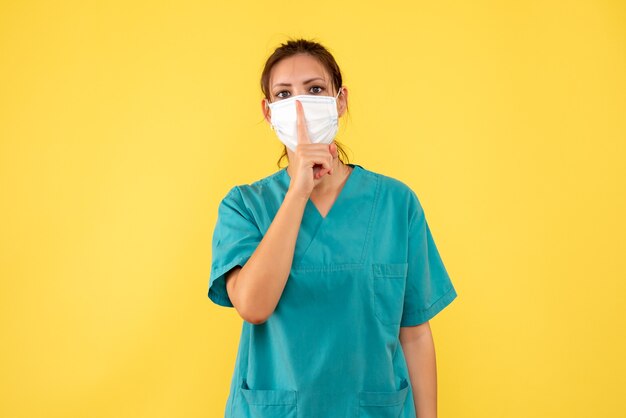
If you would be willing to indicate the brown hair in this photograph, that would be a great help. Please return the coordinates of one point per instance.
(316, 50)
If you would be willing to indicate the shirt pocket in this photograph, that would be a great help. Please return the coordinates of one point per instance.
(383, 404)
(270, 403)
(389, 283)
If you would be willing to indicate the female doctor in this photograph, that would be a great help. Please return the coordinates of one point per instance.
(332, 267)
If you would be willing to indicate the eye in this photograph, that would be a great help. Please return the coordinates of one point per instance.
(321, 89)
(279, 94)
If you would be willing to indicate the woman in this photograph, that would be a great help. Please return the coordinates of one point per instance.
(332, 267)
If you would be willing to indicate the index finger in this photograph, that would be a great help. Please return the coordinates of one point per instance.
(303, 134)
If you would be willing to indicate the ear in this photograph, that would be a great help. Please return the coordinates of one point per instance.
(266, 111)
(342, 101)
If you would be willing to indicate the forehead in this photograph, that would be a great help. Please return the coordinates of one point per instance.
(296, 69)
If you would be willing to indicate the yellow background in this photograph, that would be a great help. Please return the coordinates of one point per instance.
(123, 124)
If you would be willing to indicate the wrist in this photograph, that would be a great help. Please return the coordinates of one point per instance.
(294, 195)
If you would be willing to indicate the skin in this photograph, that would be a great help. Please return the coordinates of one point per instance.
(315, 173)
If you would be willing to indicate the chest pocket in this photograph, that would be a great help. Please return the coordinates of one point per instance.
(389, 283)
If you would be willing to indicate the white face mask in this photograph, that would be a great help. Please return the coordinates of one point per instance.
(320, 114)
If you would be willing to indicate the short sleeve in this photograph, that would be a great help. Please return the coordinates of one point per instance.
(428, 288)
(235, 238)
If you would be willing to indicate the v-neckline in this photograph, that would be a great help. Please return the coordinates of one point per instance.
(338, 200)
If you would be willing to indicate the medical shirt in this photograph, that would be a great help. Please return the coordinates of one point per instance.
(331, 347)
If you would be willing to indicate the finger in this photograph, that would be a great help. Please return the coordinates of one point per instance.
(319, 160)
(317, 157)
(332, 148)
(303, 134)
(330, 167)
(326, 161)
(333, 151)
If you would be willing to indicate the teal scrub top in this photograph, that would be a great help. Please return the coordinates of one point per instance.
(331, 348)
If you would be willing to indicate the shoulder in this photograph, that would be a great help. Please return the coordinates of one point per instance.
(250, 194)
(396, 191)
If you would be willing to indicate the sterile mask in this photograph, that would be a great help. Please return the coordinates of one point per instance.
(320, 114)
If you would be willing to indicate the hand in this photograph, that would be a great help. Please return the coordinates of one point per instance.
(310, 161)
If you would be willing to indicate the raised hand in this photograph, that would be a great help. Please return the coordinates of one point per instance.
(310, 161)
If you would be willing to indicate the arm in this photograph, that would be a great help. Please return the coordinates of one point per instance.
(419, 351)
(255, 288)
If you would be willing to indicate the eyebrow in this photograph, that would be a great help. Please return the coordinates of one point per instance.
(305, 82)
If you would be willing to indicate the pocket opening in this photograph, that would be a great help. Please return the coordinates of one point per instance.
(268, 397)
(397, 397)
